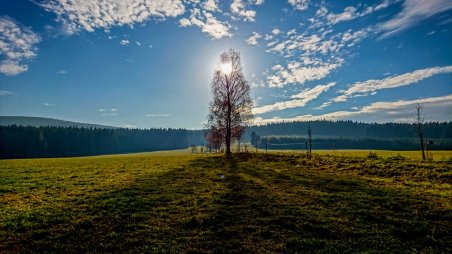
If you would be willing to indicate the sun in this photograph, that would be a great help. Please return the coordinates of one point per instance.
(226, 68)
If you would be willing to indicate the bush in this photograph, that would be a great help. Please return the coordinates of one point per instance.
(372, 155)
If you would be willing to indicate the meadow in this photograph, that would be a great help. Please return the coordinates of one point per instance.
(176, 202)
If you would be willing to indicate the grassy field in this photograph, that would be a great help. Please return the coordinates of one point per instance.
(414, 155)
(175, 202)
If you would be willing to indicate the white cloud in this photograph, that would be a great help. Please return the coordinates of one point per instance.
(436, 108)
(62, 72)
(129, 126)
(112, 112)
(124, 42)
(324, 105)
(109, 114)
(351, 37)
(348, 14)
(298, 72)
(315, 52)
(268, 37)
(384, 4)
(12, 68)
(211, 5)
(373, 85)
(252, 40)
(318, 43)
(184, 22)
(208, 24)
(48, 104)
(17, 45)
(413, 12)
(301, 99)
(77, 15)
(158, 115)
(238, 8)
(276, 31)
(299, 4)
(3, 92)
(259, 2)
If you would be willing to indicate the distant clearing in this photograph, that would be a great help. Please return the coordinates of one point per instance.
(176, 202)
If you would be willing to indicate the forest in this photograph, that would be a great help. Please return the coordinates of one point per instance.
(53, 141)
(31, 142)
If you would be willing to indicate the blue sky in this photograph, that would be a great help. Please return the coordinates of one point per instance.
(149, 63)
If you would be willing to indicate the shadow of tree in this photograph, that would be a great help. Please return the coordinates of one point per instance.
(262, 205)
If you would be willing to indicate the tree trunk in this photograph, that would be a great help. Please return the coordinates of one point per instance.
(422, 146)
(228, 123)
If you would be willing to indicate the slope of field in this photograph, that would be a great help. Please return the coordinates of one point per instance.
(178, 202)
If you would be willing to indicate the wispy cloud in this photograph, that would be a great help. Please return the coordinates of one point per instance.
(62, 72)
(124, 42)
(299, 4)
(17, 45)
(3, 92)
(413, 12)
(158, 115)
(312, 54)
(297, 72)
(252, 40)
(238, 8)
(276, 31)
(316, 51)
(373, 85)
(437, 109)
(300, 99)
(351, 13)
(48, 104)
(108, 112)
(208, 24)
(211, 5)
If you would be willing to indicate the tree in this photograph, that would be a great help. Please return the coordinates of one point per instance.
(230, 109)
(214, 139)
(419, 124)
(255, 139)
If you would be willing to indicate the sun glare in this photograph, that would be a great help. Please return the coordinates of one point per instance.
(226, 68)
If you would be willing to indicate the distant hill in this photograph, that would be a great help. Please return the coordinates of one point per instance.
(42, 122)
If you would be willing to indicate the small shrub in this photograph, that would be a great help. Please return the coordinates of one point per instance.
(372, 155)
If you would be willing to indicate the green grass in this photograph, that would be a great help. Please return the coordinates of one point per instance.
(175, 202)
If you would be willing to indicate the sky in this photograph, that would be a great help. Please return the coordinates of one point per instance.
(149, 63)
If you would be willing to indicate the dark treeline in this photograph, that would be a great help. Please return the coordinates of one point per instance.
(401, 144)
(33, 142)
(350, 129)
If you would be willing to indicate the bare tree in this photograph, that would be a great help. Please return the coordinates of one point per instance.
(255, 140)
(214, 139)
(419, 124)
(230, 109)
